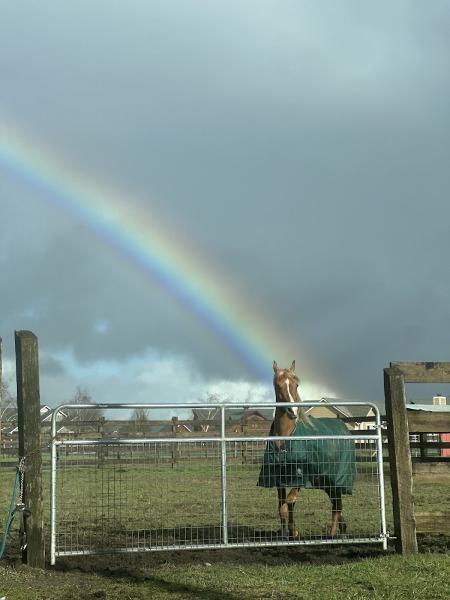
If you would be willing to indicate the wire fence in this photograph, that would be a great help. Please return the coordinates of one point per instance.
(133, 495)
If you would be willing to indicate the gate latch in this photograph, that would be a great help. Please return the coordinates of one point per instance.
(24, 513)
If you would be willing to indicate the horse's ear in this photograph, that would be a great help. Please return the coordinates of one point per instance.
(293, 366)
(275, 366)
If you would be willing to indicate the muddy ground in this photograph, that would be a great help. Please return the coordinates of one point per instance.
(119, 565)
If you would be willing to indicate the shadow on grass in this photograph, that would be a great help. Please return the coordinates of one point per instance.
(179, 538)
(190, 591)
(134, 565)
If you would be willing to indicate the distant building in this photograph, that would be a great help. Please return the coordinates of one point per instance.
(357, 414)
(257, 421)
(438, 404)
(207, 419)
(439, 400)
(46, 417)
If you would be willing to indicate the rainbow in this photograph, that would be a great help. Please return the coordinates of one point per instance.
(171, 262)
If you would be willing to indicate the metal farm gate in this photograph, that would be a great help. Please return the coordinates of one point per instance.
(193, 491)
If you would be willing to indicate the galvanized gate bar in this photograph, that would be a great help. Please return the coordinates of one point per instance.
(220, 441)
(216, 440)
(223, 474)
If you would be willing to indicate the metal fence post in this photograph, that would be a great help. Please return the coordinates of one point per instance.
(223, 472)
(380, 466)
(53, 490)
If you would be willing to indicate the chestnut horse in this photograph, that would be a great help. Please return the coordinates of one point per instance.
(285, 423)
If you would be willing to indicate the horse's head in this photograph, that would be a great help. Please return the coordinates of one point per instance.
(285, 382)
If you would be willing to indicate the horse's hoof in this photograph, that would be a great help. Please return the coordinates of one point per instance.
(294, 535)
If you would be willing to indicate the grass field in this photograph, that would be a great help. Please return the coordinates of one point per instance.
(126, 501)
(424, 577)
(130, 503)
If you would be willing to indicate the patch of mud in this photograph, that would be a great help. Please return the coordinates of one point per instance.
(136, 565)
(434, 543)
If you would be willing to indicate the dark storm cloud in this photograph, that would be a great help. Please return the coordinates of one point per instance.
(303, 148)
(51, 367)
(74, 295)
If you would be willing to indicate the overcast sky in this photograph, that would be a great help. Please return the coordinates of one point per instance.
(301, 147)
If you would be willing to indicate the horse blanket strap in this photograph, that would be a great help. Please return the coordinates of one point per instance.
(321, 464)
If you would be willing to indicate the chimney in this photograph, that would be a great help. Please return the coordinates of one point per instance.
(439, 400)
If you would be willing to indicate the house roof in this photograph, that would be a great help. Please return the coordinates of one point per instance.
(65, 429)
(240, 414)
(347, 410)
(233, 414)
(429, 407)
(47, 413)
(160, 427)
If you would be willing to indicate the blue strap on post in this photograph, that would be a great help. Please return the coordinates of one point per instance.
(10, 514)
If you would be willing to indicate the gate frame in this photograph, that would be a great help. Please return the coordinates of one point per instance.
(221, 439)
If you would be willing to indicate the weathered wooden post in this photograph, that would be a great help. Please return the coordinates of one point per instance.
(29, 423)
(395, 378)
(1, 391)
(400, 461)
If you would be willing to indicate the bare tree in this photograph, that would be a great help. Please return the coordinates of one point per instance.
(139, 418)
(8, 408)
(82, 396)
(8, 403)
(7, 399)
(200, 415)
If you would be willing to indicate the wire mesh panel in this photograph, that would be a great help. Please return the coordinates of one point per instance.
(253, 511)
(219, 490)
(137, 496)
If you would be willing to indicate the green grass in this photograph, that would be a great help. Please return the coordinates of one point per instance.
(104, 503)
(112, 505)
(424, 577)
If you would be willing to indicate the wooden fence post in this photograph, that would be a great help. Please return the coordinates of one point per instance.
(29, 423)
(400, 461)
(1, 391)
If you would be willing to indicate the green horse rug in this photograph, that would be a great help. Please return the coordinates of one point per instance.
(317, 463)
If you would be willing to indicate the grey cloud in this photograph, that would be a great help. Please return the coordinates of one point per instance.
(50, 366)
(302, 149)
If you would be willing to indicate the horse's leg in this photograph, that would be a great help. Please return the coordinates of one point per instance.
(283, 510)
(337, 519)
(291, 500)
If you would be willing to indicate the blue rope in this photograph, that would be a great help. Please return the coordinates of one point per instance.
(10, 514)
